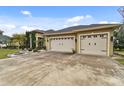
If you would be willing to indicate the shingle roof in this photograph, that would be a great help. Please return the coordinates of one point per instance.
(82, 27)
(37, 30)
(43, 31)
(73, 28)
(49, 31)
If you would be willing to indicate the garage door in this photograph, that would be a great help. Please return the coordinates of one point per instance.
(94, 44)
(63, 44)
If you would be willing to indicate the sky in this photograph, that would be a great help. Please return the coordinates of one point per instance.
(19, 19)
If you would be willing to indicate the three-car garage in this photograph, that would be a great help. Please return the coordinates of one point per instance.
(89, 39)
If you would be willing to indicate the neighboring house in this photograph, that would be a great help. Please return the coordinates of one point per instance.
(95, 39)
(3, 39)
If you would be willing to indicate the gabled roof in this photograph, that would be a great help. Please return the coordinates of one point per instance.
(42, 31)
(49, 31)
(38, 31)
(75, 29)
(79, 28)
(83, 27)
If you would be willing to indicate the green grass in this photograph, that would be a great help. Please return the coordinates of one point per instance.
(121, 61)
(5, 52)
(120, 52)
(121, 58)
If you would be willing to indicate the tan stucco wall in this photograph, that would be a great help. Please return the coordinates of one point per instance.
(47, 42)
(38, 35)
(111, 44)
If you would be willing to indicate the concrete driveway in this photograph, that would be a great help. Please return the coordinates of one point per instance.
(51, 68)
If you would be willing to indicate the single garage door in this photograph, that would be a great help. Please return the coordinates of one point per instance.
(63, 44)
(94, 44)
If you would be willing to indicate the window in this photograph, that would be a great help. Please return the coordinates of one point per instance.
(111, 38)
(89, 36)
(94, 43)
(84, 36)
(95, 36)
(105, 35)
(89, 43)
(39, 38)
(101, 35)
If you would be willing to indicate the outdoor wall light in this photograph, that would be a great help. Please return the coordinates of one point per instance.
(111, 38)
(75, 39)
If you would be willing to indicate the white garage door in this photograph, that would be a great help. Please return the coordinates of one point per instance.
(94, 44)
(63, 44)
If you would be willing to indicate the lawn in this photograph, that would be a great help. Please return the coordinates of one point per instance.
(5, 52)
(120, 59)
(120, 52)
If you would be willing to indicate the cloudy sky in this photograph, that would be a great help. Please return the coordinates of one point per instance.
(20, 19)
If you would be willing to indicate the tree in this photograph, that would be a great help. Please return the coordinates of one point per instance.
(18, 40)
(119, 38)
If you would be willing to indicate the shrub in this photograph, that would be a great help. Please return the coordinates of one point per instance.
(44, 47)
(30, 49)
(35, 50)
(11, 47)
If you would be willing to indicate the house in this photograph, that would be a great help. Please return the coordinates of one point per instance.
(3, 39)
(95, 39)
(34, 39)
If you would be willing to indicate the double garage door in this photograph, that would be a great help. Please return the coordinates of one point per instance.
(62, 44)
(93, 44)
